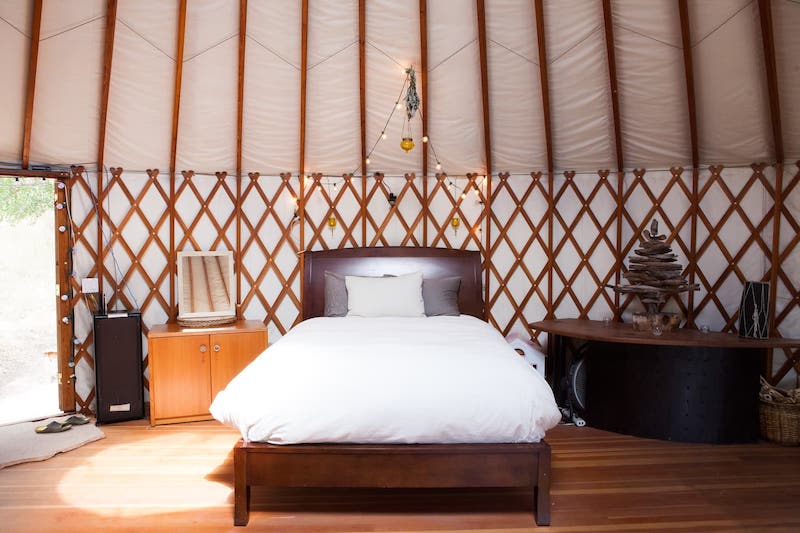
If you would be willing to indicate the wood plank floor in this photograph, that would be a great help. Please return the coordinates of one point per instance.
(142, 479)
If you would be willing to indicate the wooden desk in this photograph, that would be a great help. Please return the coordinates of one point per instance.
(682, 385)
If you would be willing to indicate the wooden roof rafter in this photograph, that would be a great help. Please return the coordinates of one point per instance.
(362, 100)
(30, 91)
(176, 108)
(771, 74)
(688, 67)
(487, 134)
(302, 156)
(108, 58)
(612, 76)
(239, 128)
(423, 53)
(548, 139)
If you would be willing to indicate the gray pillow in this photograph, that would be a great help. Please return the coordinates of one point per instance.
(441, 296)
(335, 295)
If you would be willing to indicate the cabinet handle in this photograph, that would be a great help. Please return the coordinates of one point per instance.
(216, 347)
(203, 348)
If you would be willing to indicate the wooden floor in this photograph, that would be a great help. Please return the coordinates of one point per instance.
(141, 479)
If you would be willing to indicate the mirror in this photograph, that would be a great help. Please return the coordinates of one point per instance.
(206, 284)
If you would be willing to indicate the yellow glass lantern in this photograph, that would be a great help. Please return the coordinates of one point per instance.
(407, 144)
(455, 222)
(332, 222)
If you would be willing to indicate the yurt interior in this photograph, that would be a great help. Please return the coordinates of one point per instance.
(381, 265)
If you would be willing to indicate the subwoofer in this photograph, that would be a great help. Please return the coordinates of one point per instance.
(118, 366)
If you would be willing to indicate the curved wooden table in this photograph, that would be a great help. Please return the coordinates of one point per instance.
(682, 385)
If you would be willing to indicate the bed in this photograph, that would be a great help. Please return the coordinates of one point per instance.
(376, 458)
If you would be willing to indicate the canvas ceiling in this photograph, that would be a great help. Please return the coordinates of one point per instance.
(731, 95)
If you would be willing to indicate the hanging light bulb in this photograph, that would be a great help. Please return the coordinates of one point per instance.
(368, 161)
(383, 135)
(438, 166)
(425, 138)
(331, 223)
(398, 105)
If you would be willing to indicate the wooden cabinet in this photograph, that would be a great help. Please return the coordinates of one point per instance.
(189, 366)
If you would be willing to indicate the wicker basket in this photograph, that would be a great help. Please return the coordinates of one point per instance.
(780, 420)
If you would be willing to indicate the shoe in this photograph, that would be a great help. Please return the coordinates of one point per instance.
(76, 420)
(53, 427)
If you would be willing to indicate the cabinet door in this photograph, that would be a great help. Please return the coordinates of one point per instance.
(231, 352)
(180, 371)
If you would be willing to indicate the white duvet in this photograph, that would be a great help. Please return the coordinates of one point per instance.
(389, 380)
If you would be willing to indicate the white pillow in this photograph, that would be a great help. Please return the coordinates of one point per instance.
(389, 296)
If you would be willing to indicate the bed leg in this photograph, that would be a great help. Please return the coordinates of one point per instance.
(241, 489)
(541, 491)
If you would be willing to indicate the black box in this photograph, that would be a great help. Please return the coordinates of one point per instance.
(118, 366)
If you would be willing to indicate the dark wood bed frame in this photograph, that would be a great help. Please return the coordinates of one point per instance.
(392, 465)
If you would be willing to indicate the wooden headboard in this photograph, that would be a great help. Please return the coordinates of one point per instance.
(377, 261)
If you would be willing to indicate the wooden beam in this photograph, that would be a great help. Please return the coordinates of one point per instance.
(30, 92)
(23, 173)
(612, 76)
(303, 82)
(239, 128)
(176, 108)
(423, 52)
(487, 139)
(771, 72)
(362, 78)
(108, 57)
(548, 139)
(688, 67)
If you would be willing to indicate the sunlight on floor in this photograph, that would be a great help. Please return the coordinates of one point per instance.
(173, 477)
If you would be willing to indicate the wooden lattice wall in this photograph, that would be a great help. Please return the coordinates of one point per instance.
(550, 246)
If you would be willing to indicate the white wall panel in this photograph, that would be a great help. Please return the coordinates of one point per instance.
(515, 96)
(209, 89)
(580, 103)
(15, 42)
(333, 138)
(392, 46)
(271, 122)
(786, 21)
(654, 111)
(455, 116)
(70, 69)
(732, 106)
(139, 123)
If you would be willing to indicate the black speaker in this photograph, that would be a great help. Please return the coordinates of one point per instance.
(118, 366)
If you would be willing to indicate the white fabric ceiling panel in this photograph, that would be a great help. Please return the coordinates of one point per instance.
(139, 122)
(15, 42)
(271, 132)
(209, 88)
(786, 21)
(455, 116)
(515, 96)
(580, 102)
(333, 129)
(651, 81)
(392, 45)
(732, 115)
(70, 69)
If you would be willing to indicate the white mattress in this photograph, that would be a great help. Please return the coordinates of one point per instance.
(389, 380)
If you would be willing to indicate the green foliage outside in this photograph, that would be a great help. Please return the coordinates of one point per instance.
(23, 199)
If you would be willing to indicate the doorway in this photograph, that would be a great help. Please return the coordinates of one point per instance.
(29, 387)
